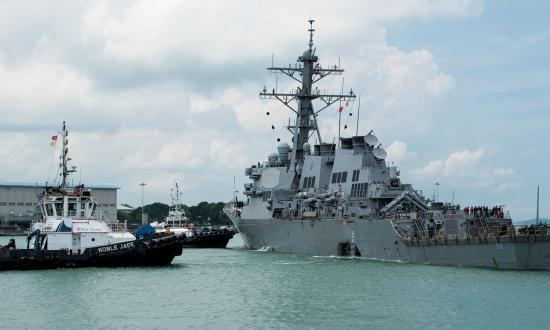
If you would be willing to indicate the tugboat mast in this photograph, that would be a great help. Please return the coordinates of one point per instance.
(176, 199)
(307, 72)
(65, 157)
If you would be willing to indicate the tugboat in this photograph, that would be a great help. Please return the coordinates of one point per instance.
(194, 236)
(70, 234)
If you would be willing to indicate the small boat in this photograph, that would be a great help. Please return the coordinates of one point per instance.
(210, 237)
(70, 234)
(194, 236)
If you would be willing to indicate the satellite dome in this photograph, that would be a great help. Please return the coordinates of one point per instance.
(282, 150)
(283, 147)
(307, 148)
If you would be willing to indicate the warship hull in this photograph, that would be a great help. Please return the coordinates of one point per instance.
(141, 252)
(378, 239)
(343, 199)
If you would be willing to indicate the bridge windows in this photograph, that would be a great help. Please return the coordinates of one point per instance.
(49, 210)
(309, 182)
(91, 209)
(72, 210)
(355, 176)
(59, 209)
(359, 189)
(339, 177)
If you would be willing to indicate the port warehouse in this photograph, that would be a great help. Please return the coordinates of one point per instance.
(19, 202)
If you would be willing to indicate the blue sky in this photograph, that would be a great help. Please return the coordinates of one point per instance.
(501, 100)
(456, 90)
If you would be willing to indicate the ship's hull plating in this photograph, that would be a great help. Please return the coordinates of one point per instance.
(377, 239)
(141, 252)
(213, 240)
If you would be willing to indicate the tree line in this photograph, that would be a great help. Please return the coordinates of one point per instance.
(200, 214)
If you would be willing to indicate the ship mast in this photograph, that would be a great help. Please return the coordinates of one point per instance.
(176, 205)
(65, 171)
(538, 199)
(307, 72)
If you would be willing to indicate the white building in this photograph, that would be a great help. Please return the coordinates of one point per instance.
(19, 201)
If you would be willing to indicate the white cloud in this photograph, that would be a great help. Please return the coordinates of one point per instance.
(397, 151)
(400, 90)
(432, 169)
(501, 178)
(150, 31)
(245, 108)
(462, 163)
(458, 164)
(227, 154)
(28, 84)
(468, 169)
(202, 104)
(440, 84)
(21, 155)
(155, 91)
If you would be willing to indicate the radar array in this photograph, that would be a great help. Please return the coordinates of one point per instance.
(307, 72)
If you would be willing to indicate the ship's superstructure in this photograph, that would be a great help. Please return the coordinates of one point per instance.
(176, 221)
(344, 199)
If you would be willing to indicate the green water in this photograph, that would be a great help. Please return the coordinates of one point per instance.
(240, 289)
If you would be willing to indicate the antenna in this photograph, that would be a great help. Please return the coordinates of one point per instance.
(437, 184)
(172, 196)
(311, 30)
(234, 189)
(358, 111)
(307, 72)
(177, 197)
(142, 215)
(65, 157)
(340, 112)
(538, 191)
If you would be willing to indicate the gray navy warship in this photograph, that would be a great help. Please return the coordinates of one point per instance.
(344, 200)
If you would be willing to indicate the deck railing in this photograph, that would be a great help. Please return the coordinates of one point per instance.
(542, 229)
(232, 209)
(118, 226)
(478, 232)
